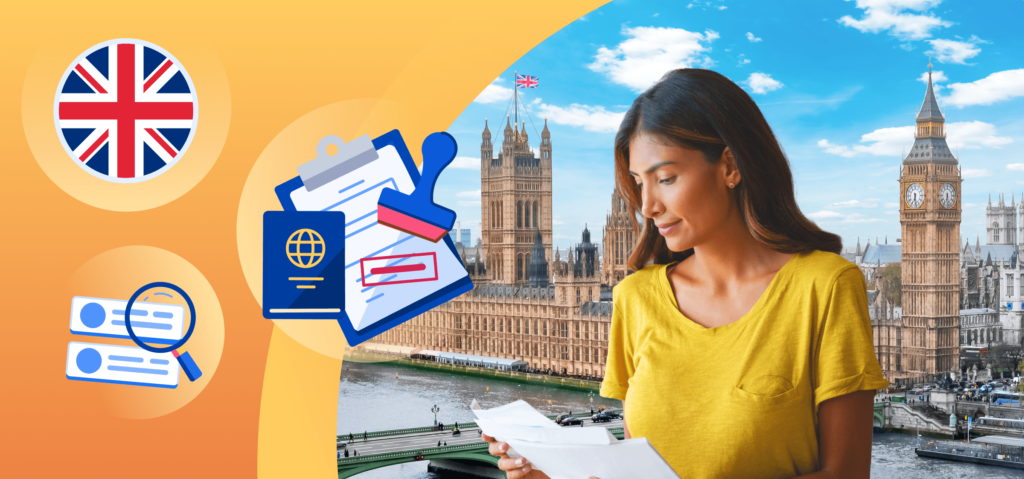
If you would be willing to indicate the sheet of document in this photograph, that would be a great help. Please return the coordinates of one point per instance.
(356, 193)
(571, 452)
(626, 459)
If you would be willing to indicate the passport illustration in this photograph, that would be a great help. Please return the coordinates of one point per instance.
(303, 264)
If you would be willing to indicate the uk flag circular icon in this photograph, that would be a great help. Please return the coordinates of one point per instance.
(126, 110)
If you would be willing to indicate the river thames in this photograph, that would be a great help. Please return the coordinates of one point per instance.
(371, 398)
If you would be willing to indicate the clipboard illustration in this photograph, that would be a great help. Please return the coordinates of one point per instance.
(352, 183)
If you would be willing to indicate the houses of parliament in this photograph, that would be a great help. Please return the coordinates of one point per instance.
(554, 313)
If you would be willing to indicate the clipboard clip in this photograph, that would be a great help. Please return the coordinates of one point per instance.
(326, 168)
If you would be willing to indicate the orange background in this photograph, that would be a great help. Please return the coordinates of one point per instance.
(281, 61)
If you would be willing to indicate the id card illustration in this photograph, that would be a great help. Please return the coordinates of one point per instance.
(303, 264)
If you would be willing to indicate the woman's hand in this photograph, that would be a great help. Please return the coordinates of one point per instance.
(515, 468)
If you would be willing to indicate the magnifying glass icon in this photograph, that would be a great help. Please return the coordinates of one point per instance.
(184, 358)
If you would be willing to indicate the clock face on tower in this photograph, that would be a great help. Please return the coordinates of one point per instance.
(947, 195)
(915, 195)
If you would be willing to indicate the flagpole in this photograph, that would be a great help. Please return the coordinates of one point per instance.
(515, 95)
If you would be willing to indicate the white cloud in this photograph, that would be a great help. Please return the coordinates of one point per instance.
(824, 214)
(893, 141)
(465, 163)
(998, 86)
(743, 61)
(655, 15)
(752, 38)
(891, 15)
(557, 222)
(974, 173)
(762, 83)
(953, 51)
(840, 150)
(723, 7)
(853, 204)
(494, 93)
(469, 203)
(856, 218)
(974, 135)
(468, 194)
(892, 205)
(937, 76)
(591, 118)
(650, 52)
(1015, 167)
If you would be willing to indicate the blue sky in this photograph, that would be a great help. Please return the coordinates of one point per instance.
(839, 82)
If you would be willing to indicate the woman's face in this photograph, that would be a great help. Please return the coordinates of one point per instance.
(686, 196)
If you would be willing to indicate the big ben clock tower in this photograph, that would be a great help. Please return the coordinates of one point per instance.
(930, 220)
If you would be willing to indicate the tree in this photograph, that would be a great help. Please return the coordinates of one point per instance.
(890, 285)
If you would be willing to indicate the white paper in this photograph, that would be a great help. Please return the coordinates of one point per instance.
(571, 452)
(626, 459)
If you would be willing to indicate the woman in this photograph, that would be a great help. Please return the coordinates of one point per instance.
(736, 295)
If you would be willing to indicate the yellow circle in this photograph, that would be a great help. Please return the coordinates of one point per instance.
(211, 82)
(295, 145)
(116, 274)
(305, 248)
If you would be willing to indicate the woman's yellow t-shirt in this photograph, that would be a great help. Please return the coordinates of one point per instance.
(741, 400)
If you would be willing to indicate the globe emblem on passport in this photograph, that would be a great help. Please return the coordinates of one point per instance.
(305, 248)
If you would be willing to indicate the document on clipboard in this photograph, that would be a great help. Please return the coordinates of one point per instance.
(404, 275)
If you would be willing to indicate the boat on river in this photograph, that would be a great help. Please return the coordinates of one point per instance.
(989, 450)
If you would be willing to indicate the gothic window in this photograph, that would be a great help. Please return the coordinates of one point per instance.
(1009, 285)
(517, 325)
(995, 232)
(576, 326)
(519, 268)
(563, 329)
(501, 326)
(527, 327)
(590, 294)
(565, 352)
(534, 214)
(526, 214)
(519, 214)
(577, 295)
(545, 349)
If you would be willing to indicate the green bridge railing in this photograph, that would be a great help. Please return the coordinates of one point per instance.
(473, 447)
(420, 430)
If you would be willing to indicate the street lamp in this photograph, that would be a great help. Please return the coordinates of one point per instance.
(435, 410)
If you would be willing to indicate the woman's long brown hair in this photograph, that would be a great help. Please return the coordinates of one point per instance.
(704, 111)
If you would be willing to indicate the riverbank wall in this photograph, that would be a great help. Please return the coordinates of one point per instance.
(514, 376)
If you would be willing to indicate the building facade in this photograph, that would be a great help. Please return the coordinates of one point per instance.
(525, 305)
(930, 221)
(619, 239)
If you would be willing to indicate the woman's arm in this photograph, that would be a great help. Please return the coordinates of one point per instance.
(844, 444)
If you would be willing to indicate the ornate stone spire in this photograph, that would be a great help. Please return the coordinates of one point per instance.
(930, 108)
(538, 267)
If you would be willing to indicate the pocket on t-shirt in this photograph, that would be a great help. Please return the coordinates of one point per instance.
(766, 390)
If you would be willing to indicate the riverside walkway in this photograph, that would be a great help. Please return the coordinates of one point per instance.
(387, 448)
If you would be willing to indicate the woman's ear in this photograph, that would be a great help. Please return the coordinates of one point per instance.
(732, 172)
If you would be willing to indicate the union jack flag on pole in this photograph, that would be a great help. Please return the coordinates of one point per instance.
(526, 81)
(126, 110)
